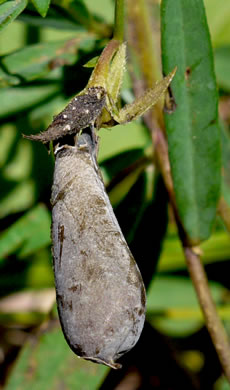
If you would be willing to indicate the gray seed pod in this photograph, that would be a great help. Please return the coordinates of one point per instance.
(100, 293)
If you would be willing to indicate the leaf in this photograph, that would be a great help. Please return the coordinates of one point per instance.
(192, 129)
(52, 365)
(10, 10)
(222, 60)
(7, 80)
(218, 15)
(55, 19)
(19, 198)
(28, 234)
(91, 63)
(173, 307)
(37, 60)
(42, 6)
(123, 138)
(16, 99)
(215, 249)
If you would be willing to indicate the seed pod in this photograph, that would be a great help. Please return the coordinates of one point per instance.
(100, 292)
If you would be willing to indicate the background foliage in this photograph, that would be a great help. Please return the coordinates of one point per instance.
(43, 49)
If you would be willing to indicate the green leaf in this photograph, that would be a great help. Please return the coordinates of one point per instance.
(218, 14)
(55, 19)
(14, 100)
(28, 234)
(192, 129)
(123, 138)
(215, 249)
(7, 80)
(42, 6)
(222, 61)
(10, 10)
(91, 63)
(52, 365)
(173, 307)
(35, 61)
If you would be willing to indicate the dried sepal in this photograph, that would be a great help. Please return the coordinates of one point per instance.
(142, 104)
(116, 73)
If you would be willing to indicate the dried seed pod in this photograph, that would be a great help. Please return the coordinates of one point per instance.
(100, 292)
(82, 111)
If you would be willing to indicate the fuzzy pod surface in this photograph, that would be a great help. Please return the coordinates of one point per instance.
(100, 293)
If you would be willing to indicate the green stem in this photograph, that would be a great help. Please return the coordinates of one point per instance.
(119, 20)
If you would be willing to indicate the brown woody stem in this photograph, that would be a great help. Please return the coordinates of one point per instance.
(213, 323)
(154, 123)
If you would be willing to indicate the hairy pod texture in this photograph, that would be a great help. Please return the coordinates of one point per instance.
(82, 111)
(100, 293)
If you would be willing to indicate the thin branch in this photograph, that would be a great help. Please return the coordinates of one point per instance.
(196, 269)
(119, 20)
(212, 320)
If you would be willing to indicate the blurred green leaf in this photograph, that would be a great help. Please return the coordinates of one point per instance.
(91, 63)
(16, 99)
(55, 19)
(42, 6)
(215, 249)
(35, 61)
(122, 138)
(173, 307)
(192, 129)
(222, 61)
(52, 365)
(28, 234)
(10, 10)
(218, 14)
(7, 80)
(20, 196)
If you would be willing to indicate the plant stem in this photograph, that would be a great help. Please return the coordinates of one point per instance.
(212, 320)
(224, 212)
(196, 269)
(145, 47)
(119, 20)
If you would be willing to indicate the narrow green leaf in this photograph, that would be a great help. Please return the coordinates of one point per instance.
(216, 249)
(91, 63)
(7, 80)
(17, 99)
(37, 60)
(30, 233)
(173, 307)
(55, 19)
(10, 10)
(42, 6)
(52, 365)
(218, 14)
(192, 129)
